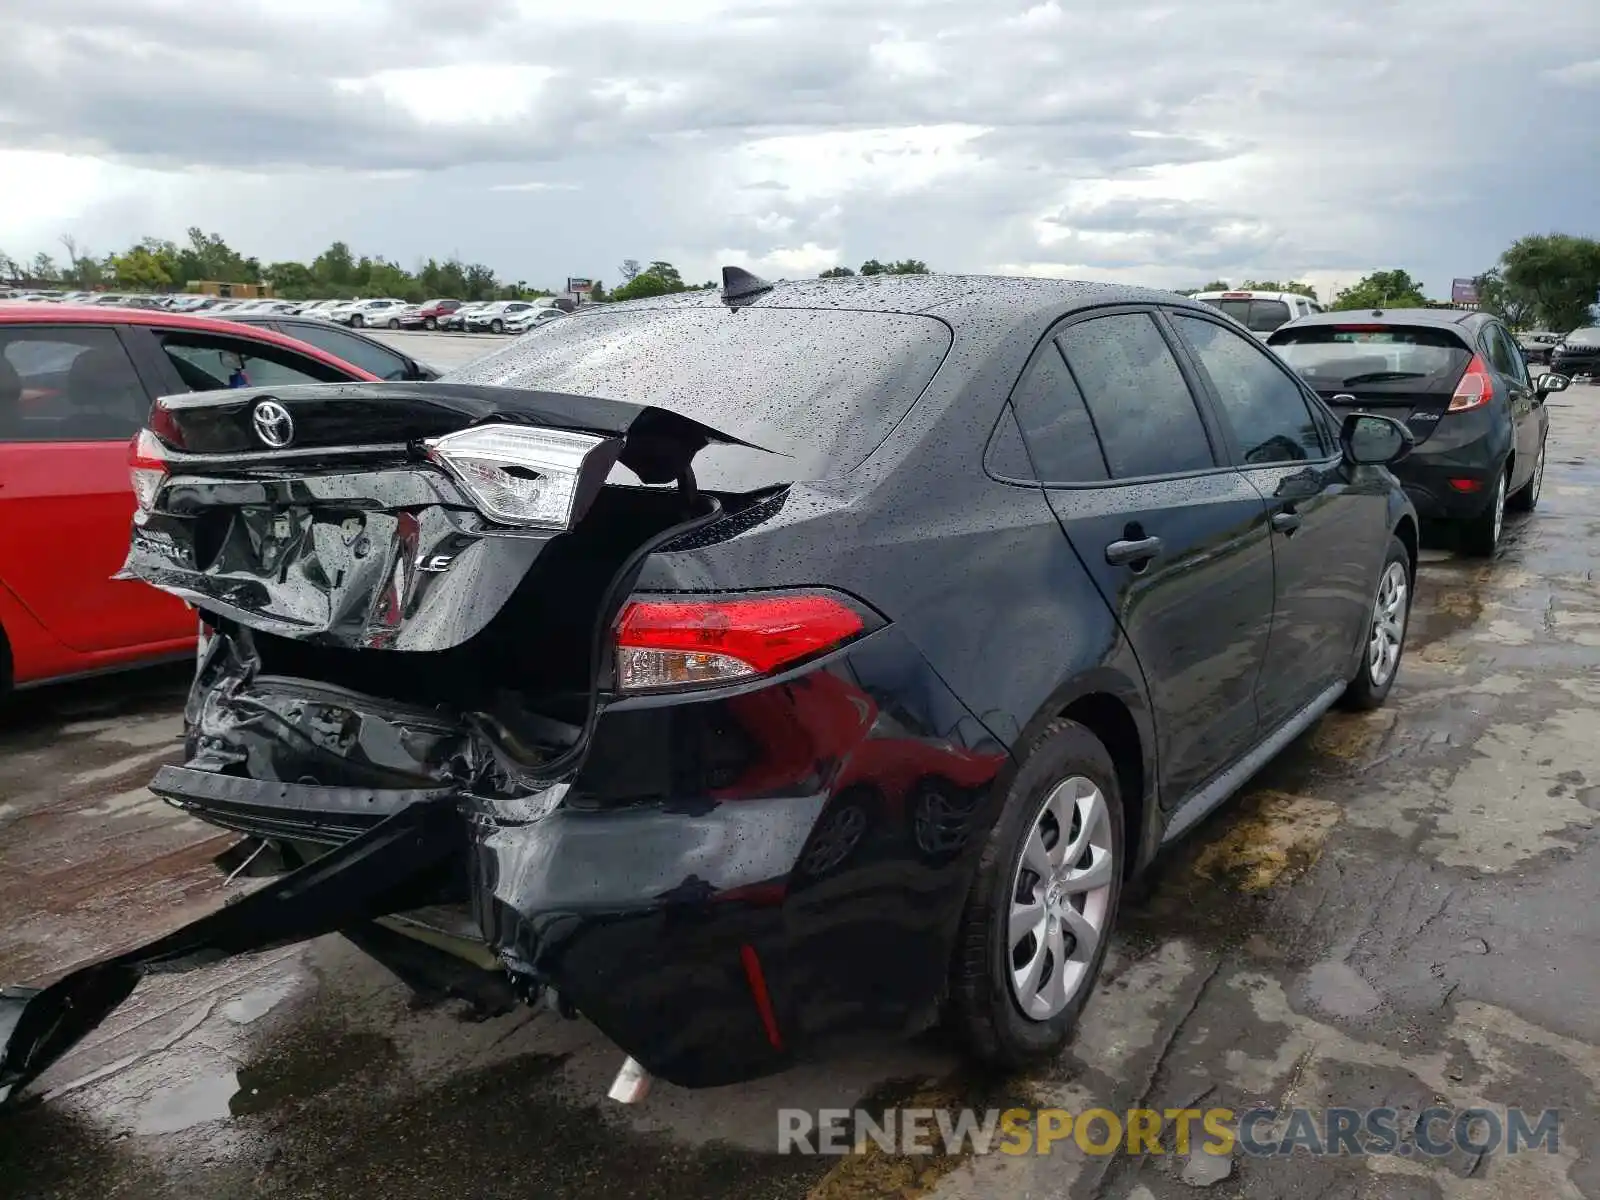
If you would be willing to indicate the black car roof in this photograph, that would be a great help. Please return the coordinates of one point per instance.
(958, 299)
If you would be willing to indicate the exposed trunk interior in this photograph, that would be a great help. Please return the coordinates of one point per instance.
(533, 658)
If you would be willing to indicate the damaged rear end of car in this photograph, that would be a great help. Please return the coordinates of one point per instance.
(550, 667)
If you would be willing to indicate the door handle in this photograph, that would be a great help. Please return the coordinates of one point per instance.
(1133, 553)
(1286, 522)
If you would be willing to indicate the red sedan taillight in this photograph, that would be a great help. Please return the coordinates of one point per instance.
(672, 641)
(147, 468)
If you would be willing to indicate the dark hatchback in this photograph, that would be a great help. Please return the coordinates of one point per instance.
(1459, 382)
(754, 672)
(1578, 354)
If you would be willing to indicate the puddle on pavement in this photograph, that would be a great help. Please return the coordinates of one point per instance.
(186, 1105)
(1275, 835)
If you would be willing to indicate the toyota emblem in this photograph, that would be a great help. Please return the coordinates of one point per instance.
(274, 425)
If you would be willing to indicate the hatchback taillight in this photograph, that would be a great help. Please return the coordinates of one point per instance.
(147, 468)
(682, 641)
(1476, 387)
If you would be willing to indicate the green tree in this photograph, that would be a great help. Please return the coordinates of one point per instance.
(480, 282)
(667, 272)
(335, 267)
(207, 256)
(1272, 285)
(908, 266)
(873, 267)
(147, 267)
(44, 269)
(1561, 272)
(291, 280)
(629, 270)
(1516, 306)
(837, 273)
(658, 279)
(1382, 289)
(10, 269)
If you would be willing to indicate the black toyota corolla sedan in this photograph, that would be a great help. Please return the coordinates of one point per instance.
(754, 671)
(1460, 383)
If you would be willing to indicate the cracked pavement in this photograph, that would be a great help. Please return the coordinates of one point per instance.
(1399, 911)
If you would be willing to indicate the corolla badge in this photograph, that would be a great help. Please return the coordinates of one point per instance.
(274, 425)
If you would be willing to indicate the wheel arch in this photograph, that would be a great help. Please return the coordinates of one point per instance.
(1109, 719)
(1406, 530)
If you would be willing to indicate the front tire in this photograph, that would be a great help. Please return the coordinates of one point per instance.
(1043, 902)
(1480, 537)
(393, 324)
(1527, 499)
(1386, 634)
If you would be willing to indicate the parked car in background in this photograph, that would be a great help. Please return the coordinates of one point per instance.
(431, 313)
(493, 316)
(532, 318)
(376, 311)
(348, 345)
(1459, 383)
(914, 667)
(456, 321)
(1578, 353)
(1537, 345)
(76, 384)
(1261, 312)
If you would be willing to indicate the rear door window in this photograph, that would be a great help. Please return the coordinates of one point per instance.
(208, 363)
(1262, 404)
(68, 384)
(1258, 316)
(369, 356)
(1137, 396)
(1055, 423)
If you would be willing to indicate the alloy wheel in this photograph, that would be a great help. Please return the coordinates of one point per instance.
(1060, 898)
(1388, 624)
(1538, 475)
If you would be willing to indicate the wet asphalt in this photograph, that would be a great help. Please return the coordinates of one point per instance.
(1402, 910)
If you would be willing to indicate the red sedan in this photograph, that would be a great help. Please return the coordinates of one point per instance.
(75, 386)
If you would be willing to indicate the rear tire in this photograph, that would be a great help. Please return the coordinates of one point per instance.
(497, 326)
(1003, 958)
(430, 324)
(358, 320)
(1526, 499)
(1480, 536)
(1386, 632)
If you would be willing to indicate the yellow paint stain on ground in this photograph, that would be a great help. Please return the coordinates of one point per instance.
(1276, 834)
(1352, 736)
(874, 1174)
(1459, 604)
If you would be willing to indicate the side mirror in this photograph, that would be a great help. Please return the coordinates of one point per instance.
(1373, 440)
(1551, 382)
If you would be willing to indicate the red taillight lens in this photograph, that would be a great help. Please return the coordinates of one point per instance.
(1476, 387)
(665, 642)
(165, 425)
(147, 468)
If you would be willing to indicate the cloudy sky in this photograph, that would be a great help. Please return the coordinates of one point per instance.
(1166, 143)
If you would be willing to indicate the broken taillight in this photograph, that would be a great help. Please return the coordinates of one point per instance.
(1476, 387)
(673, 641)
(147, 468)
(516, 474)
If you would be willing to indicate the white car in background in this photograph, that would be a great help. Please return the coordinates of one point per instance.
(495, 316)
(533, 318)
(1261, 312)
(368, 312)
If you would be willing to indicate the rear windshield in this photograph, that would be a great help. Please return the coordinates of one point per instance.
(1584, 337)
(1260, 316)
(822, 386)
(1329, 358)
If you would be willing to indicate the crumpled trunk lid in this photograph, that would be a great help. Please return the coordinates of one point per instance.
(319, 513)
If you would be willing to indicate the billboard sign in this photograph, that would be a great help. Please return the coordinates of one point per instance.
(579, 286)
(1463, 291)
